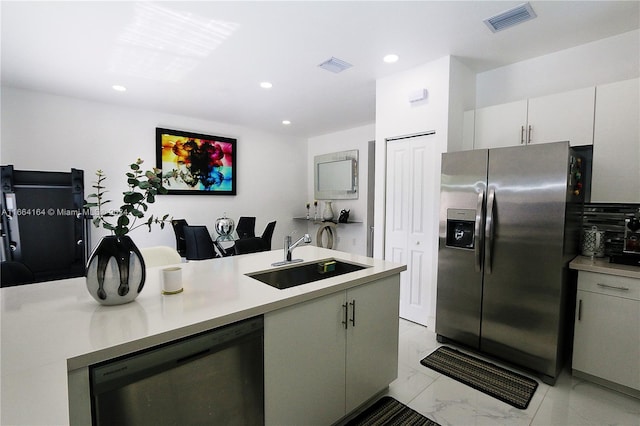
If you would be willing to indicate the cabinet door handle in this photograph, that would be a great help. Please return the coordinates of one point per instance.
(353, 313)
(580, 310)
(346, 315)
(613, 287)
(529, 136)
(521, 135)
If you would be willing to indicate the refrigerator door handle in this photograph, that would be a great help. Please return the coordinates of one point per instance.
(478, 232)
(488, 233)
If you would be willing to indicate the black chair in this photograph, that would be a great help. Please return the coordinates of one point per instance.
(249, 245)
(16, 273)
(199, 245)
(268, 234)
(178, 229)
(246, 227)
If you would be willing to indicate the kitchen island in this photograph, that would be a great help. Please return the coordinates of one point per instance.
(52, 331)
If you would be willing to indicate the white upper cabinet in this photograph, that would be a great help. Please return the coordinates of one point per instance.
(616, 145)
(566, 116)
(500, 125)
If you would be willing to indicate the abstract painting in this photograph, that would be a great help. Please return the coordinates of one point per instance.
(194, 163)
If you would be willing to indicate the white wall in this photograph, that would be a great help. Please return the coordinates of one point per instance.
(47, 132)
(603, 61)
(396, 116)
(352, 238)
(462, 93)
(451, 91)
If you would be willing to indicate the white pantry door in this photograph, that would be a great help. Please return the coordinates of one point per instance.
(409, 219)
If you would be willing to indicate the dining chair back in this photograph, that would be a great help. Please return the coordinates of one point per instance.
(178, 225)
(246, 227)
(267, 234)
(249, 245)
(199, 245)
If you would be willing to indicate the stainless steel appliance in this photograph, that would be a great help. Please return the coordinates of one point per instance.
(509, 225)
(212, 378)
(632, 235)
(631, 243)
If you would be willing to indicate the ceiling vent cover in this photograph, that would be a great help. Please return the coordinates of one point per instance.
(511, 17)
(335, 65)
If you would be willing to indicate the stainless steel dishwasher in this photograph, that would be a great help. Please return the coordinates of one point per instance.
(213, 378)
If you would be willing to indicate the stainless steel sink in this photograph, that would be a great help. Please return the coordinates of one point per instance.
(292, 276)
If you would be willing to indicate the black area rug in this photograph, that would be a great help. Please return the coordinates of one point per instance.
(507, 386)
(388, 412)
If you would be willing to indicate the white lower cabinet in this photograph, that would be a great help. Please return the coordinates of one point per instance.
(607, 329)
(319, 368)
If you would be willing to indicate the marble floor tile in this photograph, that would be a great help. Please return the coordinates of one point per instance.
(571, 401)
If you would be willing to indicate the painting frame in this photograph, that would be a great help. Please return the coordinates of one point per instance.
(196, 163)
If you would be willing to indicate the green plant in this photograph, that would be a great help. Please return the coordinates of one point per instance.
(143, 188)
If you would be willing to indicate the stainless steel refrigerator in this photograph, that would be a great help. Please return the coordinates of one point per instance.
(509, 225)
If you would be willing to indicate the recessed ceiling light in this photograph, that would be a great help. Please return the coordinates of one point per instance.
(391, 58)
(286, 122)
(119, 88)
(266, 85)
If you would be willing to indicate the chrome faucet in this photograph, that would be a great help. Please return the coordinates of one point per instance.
(288, 249)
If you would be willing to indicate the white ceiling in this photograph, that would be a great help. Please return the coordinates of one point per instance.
(206, 59)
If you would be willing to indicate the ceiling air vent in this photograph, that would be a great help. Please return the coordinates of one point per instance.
(511, 17)
(335, 65)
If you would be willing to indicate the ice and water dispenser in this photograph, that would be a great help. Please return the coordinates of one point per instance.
(460, 228)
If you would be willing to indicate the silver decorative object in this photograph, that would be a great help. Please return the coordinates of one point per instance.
(225, 226)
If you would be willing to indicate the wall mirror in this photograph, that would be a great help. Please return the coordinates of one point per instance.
(336, 175)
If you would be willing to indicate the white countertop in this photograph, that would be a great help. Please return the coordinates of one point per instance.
(54, 327)
(603, 266)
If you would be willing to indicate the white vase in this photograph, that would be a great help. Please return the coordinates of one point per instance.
(327, 213)
(115, 271)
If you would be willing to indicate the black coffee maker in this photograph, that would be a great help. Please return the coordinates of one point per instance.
(631, 245)
(631, 235)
